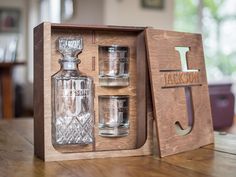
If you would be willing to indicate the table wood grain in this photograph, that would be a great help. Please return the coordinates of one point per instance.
(17, 159)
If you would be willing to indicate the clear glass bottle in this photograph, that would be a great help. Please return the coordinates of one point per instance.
(72, 98)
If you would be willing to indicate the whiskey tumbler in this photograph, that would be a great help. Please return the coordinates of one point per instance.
(113, 65)
(113, 116)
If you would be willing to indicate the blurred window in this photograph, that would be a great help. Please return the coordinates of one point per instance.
(216, 20)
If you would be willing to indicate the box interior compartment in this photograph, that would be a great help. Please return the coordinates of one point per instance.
(93, 37)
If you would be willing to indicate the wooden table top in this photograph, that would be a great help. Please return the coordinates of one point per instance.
(17, 159)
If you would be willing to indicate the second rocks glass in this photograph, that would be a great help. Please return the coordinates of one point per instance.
(113, 115)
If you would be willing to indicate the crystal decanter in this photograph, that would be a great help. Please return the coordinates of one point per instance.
(72, 98)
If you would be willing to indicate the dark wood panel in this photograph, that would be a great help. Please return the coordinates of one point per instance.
(141, 91)
(38, 94)
(97, 27)
(7, 88)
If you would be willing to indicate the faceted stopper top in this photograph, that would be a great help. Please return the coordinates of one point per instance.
(70, 47)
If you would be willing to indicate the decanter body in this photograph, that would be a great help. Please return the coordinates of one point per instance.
(72, 100)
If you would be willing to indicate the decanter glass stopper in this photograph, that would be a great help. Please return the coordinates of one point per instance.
(70, 47)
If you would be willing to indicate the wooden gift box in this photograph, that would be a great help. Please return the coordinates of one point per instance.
(46, 56)
(177, 92)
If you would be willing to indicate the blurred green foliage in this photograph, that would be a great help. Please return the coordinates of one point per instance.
(189, 17)
(185, 15)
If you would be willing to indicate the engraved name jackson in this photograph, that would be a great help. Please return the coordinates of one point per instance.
(181, 78)
(81, 92)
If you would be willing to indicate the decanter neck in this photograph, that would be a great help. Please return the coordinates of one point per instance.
(69, 63)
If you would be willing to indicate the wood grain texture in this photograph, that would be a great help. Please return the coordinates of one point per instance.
(141, 84)
(17, 159)
(92, 38)
(38, 94)
(190, 160)
(169, 104)
(97, 27)
(222, 145)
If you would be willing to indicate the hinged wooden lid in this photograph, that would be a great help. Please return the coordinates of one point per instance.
(179, 90)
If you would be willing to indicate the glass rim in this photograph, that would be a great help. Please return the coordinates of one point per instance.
(117, 47)
(113, 96)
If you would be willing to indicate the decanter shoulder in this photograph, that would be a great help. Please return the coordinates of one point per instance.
(73, 74)
(66, 74)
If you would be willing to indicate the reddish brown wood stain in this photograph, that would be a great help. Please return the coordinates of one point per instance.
(168, 93)
(138, 142)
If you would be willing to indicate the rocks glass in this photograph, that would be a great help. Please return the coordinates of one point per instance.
(113, 65)
(113, 115)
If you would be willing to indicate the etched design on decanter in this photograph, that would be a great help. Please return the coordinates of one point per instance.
(72, 98)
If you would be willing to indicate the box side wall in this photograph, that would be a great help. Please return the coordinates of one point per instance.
(141, 91)
(38, 92)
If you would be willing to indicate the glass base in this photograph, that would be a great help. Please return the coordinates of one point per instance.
(73, 130)
(114, 81)
(113, 131)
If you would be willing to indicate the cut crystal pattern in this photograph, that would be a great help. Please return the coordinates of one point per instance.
(72, 98)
